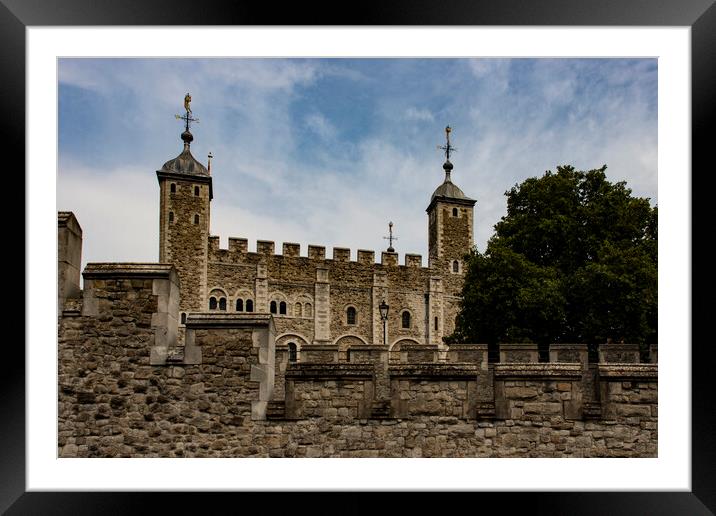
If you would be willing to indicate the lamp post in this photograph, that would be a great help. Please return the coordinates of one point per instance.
(383, 316)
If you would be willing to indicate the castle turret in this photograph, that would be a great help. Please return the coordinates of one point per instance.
(450, 237)
(450, 222)
(184, 212)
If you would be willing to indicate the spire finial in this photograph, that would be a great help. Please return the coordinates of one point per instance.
(186, 136)
(447, 148)
(390, 237)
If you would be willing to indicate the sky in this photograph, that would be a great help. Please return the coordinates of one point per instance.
(328, 151)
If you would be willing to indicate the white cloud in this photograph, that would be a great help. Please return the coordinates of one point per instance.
(413, 113)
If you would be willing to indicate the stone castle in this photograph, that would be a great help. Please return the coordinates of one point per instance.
(226, 352)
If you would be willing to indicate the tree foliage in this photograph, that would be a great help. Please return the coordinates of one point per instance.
(573, 260)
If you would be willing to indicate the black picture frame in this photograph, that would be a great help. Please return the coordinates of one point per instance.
(700, 15)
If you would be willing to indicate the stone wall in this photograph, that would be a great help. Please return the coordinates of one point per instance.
(129, 388)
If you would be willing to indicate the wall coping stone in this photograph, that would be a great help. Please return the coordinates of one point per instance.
(314, 371)
(629, 371)
(227, 320)
(539, 370)
(434, 371)
(129, 270)
(519, 346)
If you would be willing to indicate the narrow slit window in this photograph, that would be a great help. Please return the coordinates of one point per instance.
(212, 303)
(249, 305)
(436, 324)
(173, 188)
(292, 352)
(171, 216)
(183, 317)
(222, 304)
(282, 308)
(273, 307)
(351, 315)
(196, 219)
(239, 305)
(454, 212)
(196, 191)
(455, 266)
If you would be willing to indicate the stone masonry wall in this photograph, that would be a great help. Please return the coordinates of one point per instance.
(127, 389)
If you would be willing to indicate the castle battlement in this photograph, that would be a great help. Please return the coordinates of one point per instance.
(240, 246)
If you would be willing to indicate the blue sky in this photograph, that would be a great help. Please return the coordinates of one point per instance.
(327, 151)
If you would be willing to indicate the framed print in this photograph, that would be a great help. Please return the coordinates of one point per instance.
(49, 45)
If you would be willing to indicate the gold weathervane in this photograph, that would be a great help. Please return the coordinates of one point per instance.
(187, 101)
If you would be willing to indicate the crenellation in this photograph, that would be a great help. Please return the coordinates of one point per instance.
(238, 245)
(265, 247)
(413, 260)
(316, 252)
(366, 257)
(341, 254)
(291, 249)
(388, 259)
(214, 243)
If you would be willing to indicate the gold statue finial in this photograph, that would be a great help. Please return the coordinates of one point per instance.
(187, 101)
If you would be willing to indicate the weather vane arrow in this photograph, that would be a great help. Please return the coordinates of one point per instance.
(447, 147)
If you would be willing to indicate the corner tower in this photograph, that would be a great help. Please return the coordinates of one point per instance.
(185, 188)
(450, 223)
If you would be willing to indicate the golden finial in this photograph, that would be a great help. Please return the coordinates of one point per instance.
(187, 101)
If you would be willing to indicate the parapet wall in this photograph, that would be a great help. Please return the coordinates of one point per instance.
(240, 247)
(126, 388)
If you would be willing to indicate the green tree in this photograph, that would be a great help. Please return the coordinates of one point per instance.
(573, 260)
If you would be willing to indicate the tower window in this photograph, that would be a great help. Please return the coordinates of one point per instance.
(171, 216)
(454, 212)
(183, 317)
(222, 304)
(249, 305)
(297, 310)
(239, 305)
(406, 319)
(292, 352)
(273, 307)
(212, 303)
(436, 324)
(455, 266)
(196, 219)
(173, 188)
(282, 308)
(196, 191)
(351, 315)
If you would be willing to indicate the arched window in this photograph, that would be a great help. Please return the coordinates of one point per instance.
(212, 303)
(406, 319)
(454, 212)
(282, 308)
(351, 315)
(455, 266)
(196, 219)
(297, 310)
(249, 305)
(239, 305)
(196, 191)
(173, 188)
(292, 352)
(308, 310)
(222, 304)
(183, 317)
(273, 307)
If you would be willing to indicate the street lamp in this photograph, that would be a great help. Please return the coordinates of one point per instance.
(383, 316)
